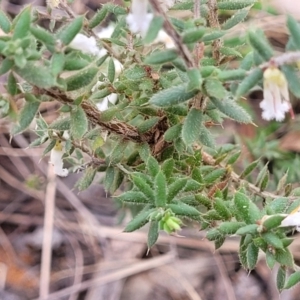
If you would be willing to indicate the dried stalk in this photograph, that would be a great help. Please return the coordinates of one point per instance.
(213, 22)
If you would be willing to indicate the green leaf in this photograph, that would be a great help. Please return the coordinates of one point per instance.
(143, 186)
(173, 133)
(195, 80)
(183, 209)
(167, 167)
(292, 78)
(78, 123)
(144, 151)
(191, 126)
(248, 229)
(155, 26)
(37, 75)
(273, 240)
(281, 278)
(98, 17)
(237, 18)
(61, 124)
(292, 280)
(23, 23)
(160, 186)
(228, 51)
(86, 180)
(160, 57)
(252, 256)
(231, 109)
(192, 185)
(175, 188)
(193, 35)
(57, 63)
(152, 166)
(214, 175)
(26, 116)
(147, 124)
(227, 75)
(273, 222)
(5, 23)
(270, 259)
(235, 4)
(118, 151)
(244, 242)
(111, 72)
(233, 158)
(246, 209)
(12, 87)
(6, 65)
(153, 233)
(284, 257)
(228, 228)
(81, 79)
(259, 42)
(206, 138)
(214, 88)
(222, 210)
(249, 82)
(214, 35)
(139, 220)
(133, 197)
(278, 205)
(202, 199)
(68, 32)
(249, 169)
(174, 95)
(294, 29)
(44, 36)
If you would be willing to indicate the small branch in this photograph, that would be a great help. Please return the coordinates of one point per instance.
(213, 22)
(127, 131)
(182, 49)
(209, 160)
(283, 59)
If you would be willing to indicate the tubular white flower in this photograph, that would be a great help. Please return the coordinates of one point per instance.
(103, 105)
(56, 160)
(139, 20)
(293, 219)
(87, 45)
(276, 95)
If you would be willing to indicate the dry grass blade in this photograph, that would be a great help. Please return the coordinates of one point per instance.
(48, 231)
(117, 275)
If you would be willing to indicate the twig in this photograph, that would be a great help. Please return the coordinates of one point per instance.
(117, 275)
(190, 290)
(209, 160)
(182, 49)
(47, 236)
(213, 22)
(283, 59)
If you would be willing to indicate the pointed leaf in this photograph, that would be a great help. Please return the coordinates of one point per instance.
(231, 109)
(69, 31)
(191, 126)
(139, 220)
(78, 123)
(174, 95)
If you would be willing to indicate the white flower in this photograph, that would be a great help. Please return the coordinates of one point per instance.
(276, 95)
(164, 38)
(56, 160)
(103, 105)
(139, 19)
(87, 45)
(293, 219)
(166, 4)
